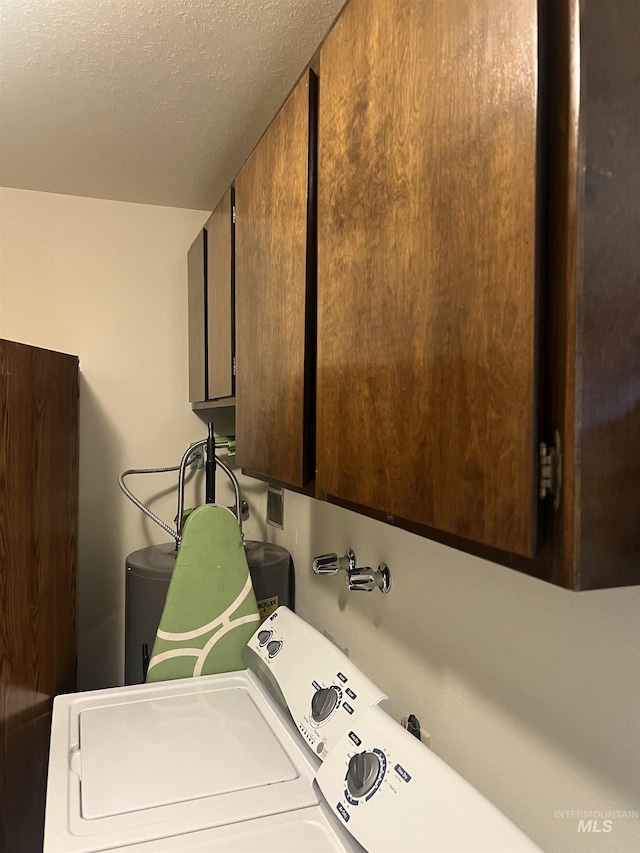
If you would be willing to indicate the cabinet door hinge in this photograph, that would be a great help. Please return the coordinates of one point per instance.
(233, 214)
(234, 365)
(550, 468)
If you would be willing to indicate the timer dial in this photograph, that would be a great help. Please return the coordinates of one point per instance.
(324, 703)
(363, 772)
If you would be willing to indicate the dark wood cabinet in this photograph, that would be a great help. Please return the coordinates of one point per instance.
(38, 533)
(592, 375)
(211, 306)
(221, 299)
(196, 290)
(478, 278)
(478, 284)
(428, 162)
(276, 296)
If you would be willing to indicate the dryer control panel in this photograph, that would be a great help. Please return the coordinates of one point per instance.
(391, 792)
(323, 690)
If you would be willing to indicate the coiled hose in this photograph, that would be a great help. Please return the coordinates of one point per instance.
(187, 458)
(145, 509)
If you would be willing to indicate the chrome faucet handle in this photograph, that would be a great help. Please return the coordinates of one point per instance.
(366, 579)
(331, 564)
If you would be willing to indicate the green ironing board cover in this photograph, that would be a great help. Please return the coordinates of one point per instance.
(210, 612)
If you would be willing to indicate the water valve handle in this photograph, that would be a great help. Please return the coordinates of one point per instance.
(366, 579)
(326, 564)
(331, 564)
(361, 580)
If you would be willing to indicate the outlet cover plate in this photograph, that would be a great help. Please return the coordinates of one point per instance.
(275, 506)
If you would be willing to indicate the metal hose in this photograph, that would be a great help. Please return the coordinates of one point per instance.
(186, 460)
(139, 503)
(225, 468)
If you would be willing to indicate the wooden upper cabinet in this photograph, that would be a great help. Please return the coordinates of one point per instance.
(210, 263)
(196, 300)
(427, 266)
(593, 328)
(220, 299)
(275, 295)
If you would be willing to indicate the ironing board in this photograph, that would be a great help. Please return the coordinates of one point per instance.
(210, 612)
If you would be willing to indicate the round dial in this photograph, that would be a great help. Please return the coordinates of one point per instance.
(273, 647)
(324, 703)
(264, 637)
(364, 769)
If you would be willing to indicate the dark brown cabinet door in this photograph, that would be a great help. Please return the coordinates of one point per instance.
(593, 334)
(220, 299)
(38, 525)
(196, 283)
(427, 351)
(210, 276)
(275, 296)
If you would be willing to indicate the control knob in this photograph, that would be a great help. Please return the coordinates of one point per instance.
(324, 702)
(363, 772)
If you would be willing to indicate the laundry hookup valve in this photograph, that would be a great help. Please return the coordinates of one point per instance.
(364, 579)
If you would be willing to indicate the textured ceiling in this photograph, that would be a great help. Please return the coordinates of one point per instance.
(151, 101)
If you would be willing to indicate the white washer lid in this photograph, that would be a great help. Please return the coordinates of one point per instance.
(143, 754)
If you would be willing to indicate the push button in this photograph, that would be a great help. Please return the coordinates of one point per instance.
(273, 647)
(264, 637)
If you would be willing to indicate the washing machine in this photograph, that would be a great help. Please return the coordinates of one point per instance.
(295, 753)
(144, 762)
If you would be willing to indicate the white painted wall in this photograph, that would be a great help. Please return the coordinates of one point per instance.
(106, 281)
(532, 692)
